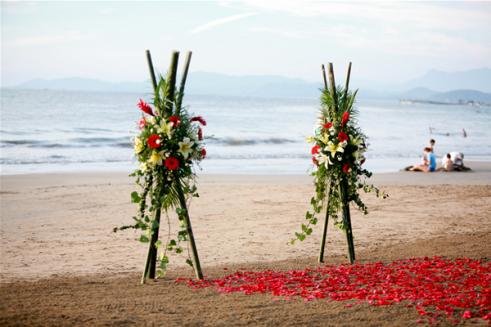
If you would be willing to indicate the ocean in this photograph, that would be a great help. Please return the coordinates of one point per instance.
(67, 131)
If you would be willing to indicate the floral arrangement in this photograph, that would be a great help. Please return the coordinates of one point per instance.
(169, 144)
(338, 148)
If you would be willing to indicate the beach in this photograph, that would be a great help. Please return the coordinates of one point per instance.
(63, 264)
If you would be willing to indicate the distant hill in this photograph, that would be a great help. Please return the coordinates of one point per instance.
(462, 96)
(469, 85)
(475, 79)
(450, 97)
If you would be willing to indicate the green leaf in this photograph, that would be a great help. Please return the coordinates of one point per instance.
(300, 236)
(308, 231)
(172, 243)
(180, 212)
(165, 259)
(158, 244)
(179, 250)
(189, 262)
(144, 239)
(135, 198)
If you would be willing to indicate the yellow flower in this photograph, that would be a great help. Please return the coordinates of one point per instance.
(155, 158)
(310, 139)
(331, 147)
(165, 129)
(324, 138)
(139, 145)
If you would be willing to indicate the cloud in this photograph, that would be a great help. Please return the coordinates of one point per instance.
(50, 39)
(221, 21)
(453, 16)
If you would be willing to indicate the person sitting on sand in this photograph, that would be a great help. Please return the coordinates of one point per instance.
(432, 147)
(448, 163)
(429, 164)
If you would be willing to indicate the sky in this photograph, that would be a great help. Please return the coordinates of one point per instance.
(386, 41)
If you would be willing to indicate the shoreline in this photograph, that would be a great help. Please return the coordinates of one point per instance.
(479, 175)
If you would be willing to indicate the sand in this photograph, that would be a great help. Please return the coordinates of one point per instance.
(62, 264)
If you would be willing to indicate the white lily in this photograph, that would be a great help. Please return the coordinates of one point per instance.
(185, 147)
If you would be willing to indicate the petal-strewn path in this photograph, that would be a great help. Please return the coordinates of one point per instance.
(437, 288)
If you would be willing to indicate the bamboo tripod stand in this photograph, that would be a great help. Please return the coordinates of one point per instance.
(343, 186)
(176, 100)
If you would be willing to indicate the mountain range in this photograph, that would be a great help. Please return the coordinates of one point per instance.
(472, 85)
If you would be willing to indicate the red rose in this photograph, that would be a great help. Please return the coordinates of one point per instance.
(342, 137)
(315, 149)
(171, 163)
(203, 153)
(200, 134)
(345, 118)
(154, 141)
(145, 107)
(327, 125)
(142, 123)
(346, 168)
(175, 120)
(199, 119)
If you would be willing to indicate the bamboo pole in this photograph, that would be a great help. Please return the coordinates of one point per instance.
(152, 71)
(169, 97)
(184, 76)
(170, 85)
(346, 85)
(333, 86)
(194, 250)
(347, 219)
(151, 264)
(149, 272)
(326, 221)
(324, 76)
(346, 210)
(324, 232)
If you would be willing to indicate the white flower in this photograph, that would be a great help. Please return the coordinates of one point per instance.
(323, 159)
(185, 147)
